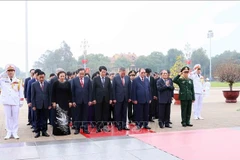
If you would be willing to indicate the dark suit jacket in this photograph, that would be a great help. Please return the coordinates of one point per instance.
(29, 86)
(141, 91)
(40, 99)
(81, 94)
(120, 92)
(25, 86)
(99, 91)
(165, 93)
(153, 87)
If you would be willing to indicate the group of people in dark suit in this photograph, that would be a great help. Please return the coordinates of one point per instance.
(140, 98)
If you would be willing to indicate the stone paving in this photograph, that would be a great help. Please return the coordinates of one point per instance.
(216, 112)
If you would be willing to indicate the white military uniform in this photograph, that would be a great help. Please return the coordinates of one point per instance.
(198, 89)
(207, 86)
(12, 98)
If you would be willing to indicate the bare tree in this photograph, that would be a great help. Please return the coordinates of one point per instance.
(229, 72)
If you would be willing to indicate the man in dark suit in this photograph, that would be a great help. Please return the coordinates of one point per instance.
(25, 94)
(41, 103)
(29, 98)
(82, 99)
(152, 82)
(131, 75)
(102, 97)
(165, 90)
(141, 97)
(121, 97)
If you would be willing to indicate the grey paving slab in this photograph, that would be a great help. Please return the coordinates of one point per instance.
(124, 144)
(18, 153)
(113, 155)
(154, 153)
(70, 149)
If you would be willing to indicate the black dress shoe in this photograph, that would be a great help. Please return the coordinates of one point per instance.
(189, 125)
(126, 129)
(98, 131)
(28, 124)
(138, 127)
(45, 134)
(73, 127)
(151, 120)
(161, 125)
(76, 131)
(32, 127)
(119, 128)
(147, 127)
(34, 131)
(86, 132)
(168, 126)
(184, 125)
(170, 122)
(37, 135)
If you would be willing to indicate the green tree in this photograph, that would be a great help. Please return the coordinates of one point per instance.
(94, 61)
(60, 58)
(171, 57)
(157, 60)
(176, 68)
(122, 62)
(142, 62)
(199, 56)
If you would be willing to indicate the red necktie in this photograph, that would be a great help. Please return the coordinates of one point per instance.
(81, 82)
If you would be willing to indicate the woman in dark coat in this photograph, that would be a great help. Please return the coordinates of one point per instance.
(62, 102)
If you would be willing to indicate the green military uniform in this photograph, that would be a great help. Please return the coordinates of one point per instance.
(186, 96)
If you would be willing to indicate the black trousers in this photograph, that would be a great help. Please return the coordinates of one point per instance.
(41, 119)
(29, 115)
(120, 113)
(81, 116)
(186, 110)
(111, 113)
(156, 111)
(73, 113)
(164, 113)
(152, 107)
(141, 112)
(130, 111)
(101, 114)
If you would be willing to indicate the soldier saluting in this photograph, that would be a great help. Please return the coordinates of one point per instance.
(12, 98)
(186, 95)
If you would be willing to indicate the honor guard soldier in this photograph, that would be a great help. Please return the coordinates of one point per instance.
(198, 82)
(12, 99)
(186, 95)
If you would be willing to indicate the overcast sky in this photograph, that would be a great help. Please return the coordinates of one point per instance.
(111, 27)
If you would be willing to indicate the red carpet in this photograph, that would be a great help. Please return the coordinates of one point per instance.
(214, 144)
(115, 132)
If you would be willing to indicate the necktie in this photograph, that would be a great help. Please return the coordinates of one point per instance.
(42, 86)
(11, 79)
(103, 81)
(81, 82)
(123, 83)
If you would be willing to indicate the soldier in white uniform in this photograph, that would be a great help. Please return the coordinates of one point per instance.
(12, 99)
(195, 75)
